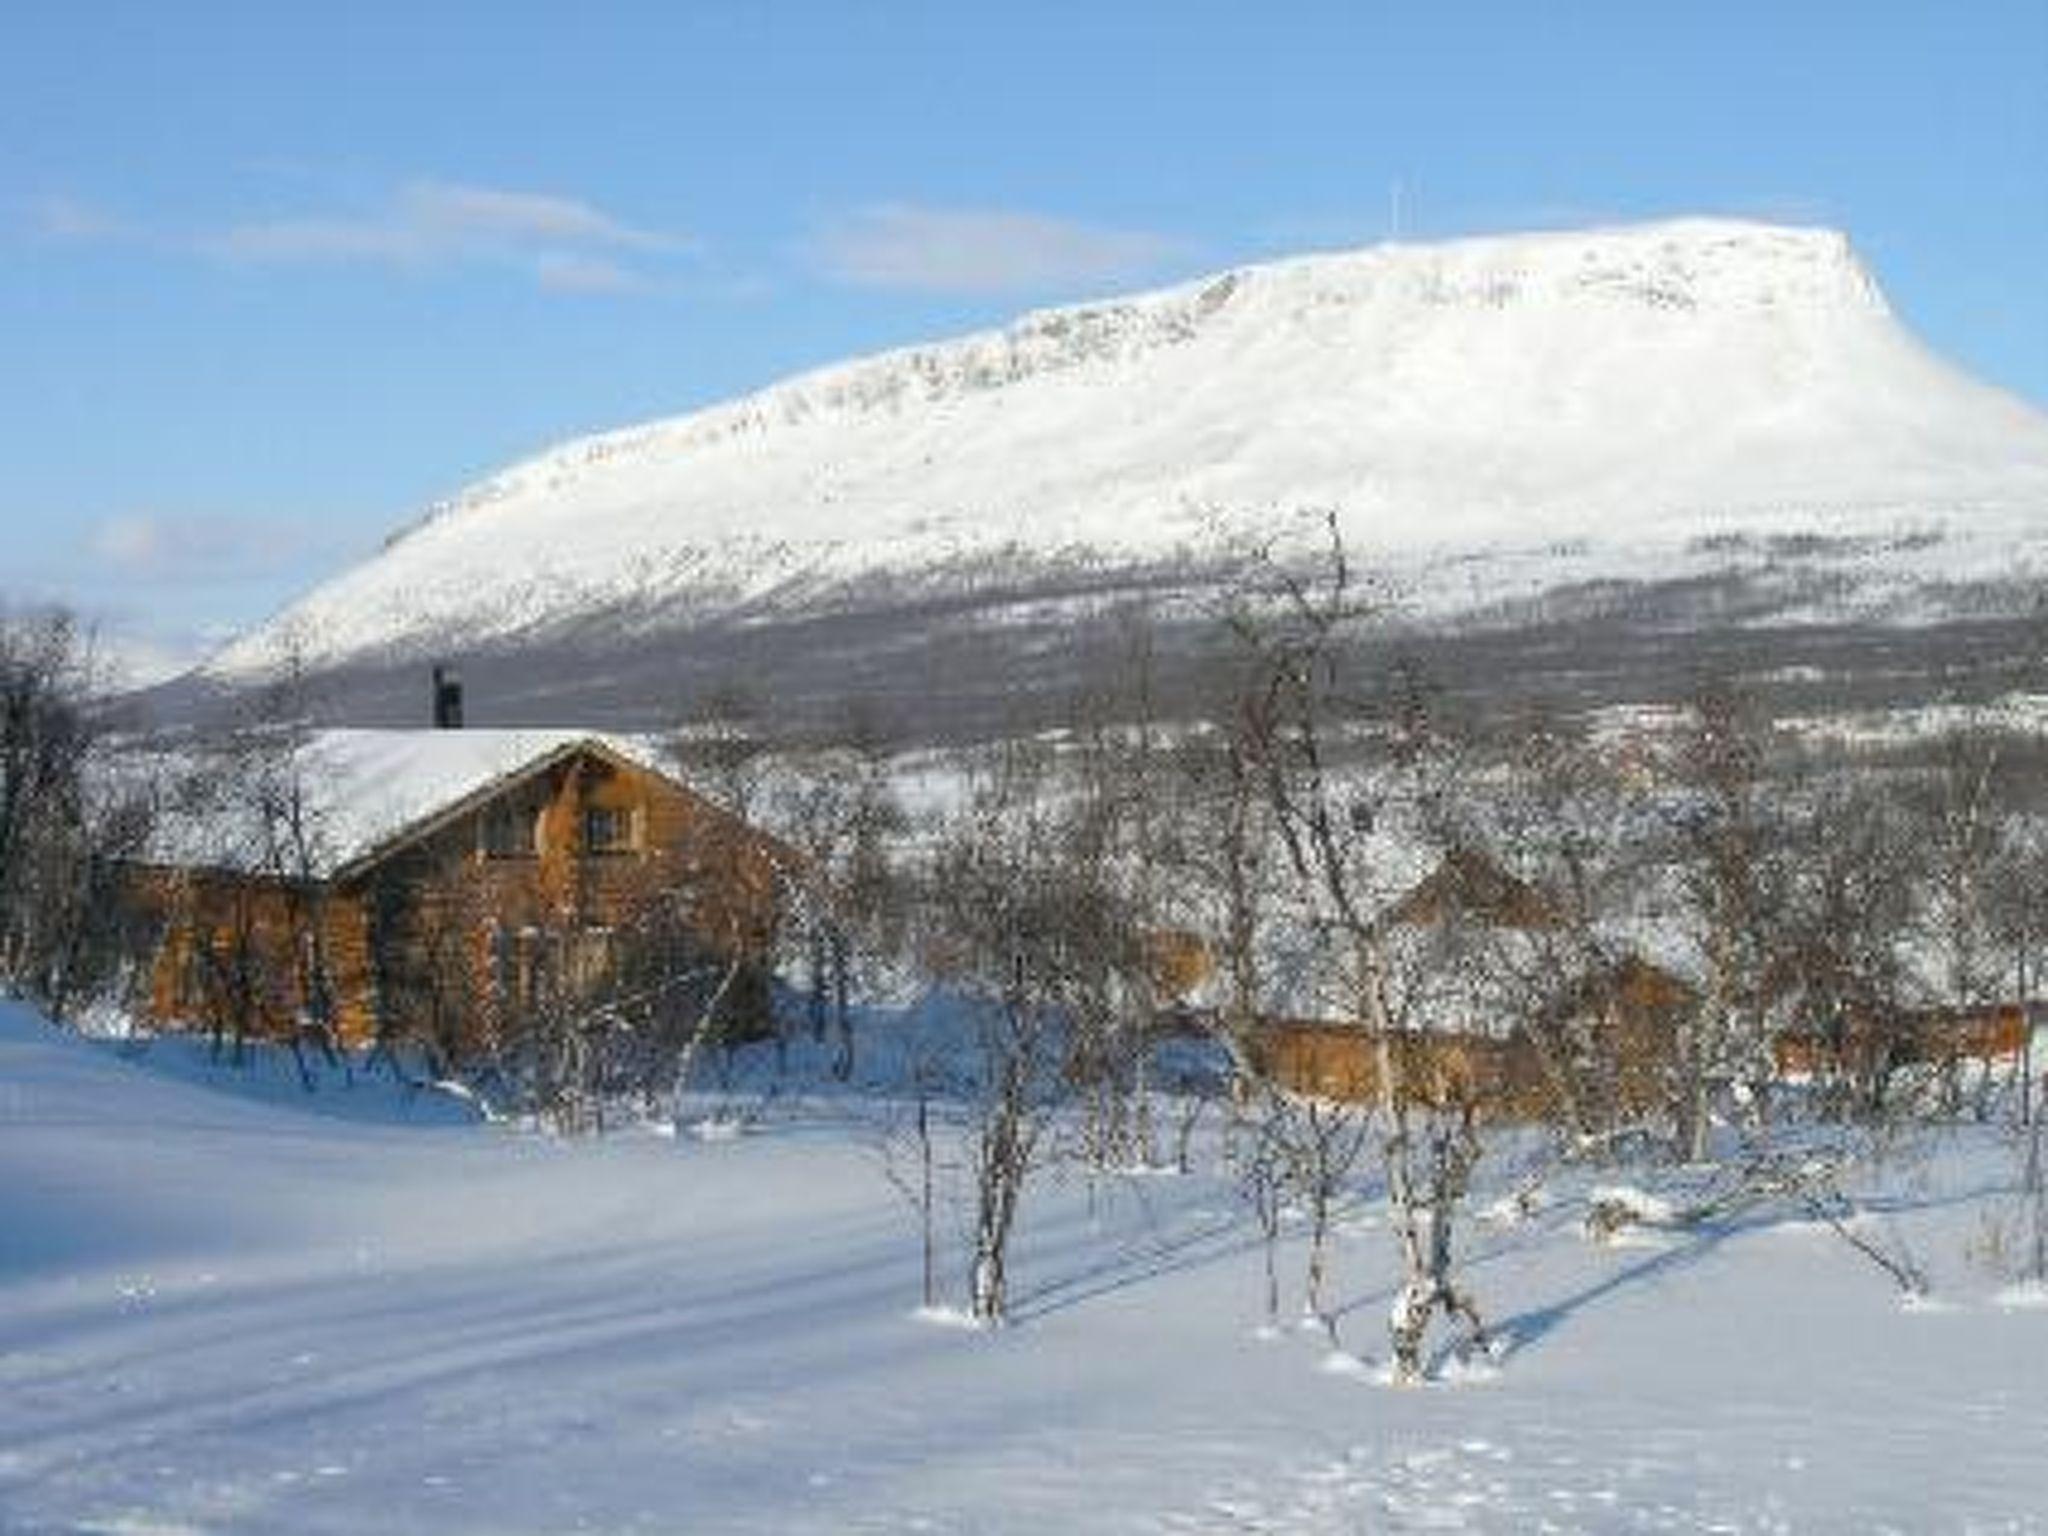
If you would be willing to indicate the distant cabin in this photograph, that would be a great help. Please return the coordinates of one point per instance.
(371, 882)
(1572, 1030)
(1604, 1032)
(1870, 1044)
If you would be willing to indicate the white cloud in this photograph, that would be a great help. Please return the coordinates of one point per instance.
(980, 251)
(141, 548)
(491, 213)
(449, 222)
(341, 240)
(71, 218)
(133, 543)
(565, 243)
(585, 274)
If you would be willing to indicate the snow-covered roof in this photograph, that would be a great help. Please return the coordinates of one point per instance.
(365, 788)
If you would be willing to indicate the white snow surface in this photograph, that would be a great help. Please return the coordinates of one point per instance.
(364, 786)
(225, 1307)
(1569, 405)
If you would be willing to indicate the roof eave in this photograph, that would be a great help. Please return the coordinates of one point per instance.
(435, 821)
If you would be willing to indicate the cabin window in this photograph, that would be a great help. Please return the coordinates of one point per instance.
(316, 985)
(591, 959)
(541, 979)
(197, 967)
(527, 962)
(510, 832)
(504, 967)
(534, 967)
(607, 829)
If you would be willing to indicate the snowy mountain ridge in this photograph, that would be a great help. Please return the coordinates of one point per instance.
(1696, 263)
(1488, 418)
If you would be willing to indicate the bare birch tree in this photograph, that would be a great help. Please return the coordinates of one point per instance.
(1302, 713)
(70, 823)
(1017, 923)
(837, 806)
(1728, 847)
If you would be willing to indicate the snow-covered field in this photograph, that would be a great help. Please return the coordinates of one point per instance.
(226, 1305)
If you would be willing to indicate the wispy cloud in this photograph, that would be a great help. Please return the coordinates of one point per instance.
(433, 221)
(338, 240)
(586, 274)
(466, 212)
(566, 244)
(980, 251)
(164, 587)
(70, 218)
(143, 548)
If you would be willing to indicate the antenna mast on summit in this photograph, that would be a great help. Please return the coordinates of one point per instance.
(1394, 209)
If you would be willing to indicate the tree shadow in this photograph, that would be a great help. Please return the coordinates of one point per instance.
(1524, 1330)
(1210, 1243)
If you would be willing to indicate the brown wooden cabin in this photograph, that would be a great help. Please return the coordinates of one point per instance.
(1629, 1016)
(1472, 887)
(1942, 1037)
(542, 869)
(1178, 965)
(1439, 1069)
(1610, 1035)
(1627, 1012)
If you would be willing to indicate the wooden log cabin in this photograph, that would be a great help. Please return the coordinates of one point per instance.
(1627, 1012)
(1870, 1045)
(421, 884)
(1607, 1034)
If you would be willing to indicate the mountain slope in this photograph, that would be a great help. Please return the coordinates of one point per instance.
(1636, 403)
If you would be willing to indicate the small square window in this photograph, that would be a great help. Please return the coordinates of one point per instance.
(607, 829)
(509, 832)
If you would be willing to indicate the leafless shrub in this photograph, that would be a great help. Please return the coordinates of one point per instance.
(69, 824)
(996, 930)
(848, 911)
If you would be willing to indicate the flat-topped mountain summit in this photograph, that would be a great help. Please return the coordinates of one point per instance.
(1561, 427)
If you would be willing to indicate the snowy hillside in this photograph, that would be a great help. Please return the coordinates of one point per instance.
(228, 1312)
(1635, 402)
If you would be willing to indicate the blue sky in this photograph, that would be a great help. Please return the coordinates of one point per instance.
(274, 276)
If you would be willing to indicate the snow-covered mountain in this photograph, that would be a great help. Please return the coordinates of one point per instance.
(1491, 420)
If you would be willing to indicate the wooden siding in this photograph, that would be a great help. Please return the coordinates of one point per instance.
(241, 952)
(417, 891)
(1342, 1062)
(1612, 1037)
(1938, 1037)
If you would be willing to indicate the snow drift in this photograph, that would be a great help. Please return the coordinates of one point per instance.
(232, 1308)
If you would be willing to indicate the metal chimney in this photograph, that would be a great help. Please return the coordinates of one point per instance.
(447, 699)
